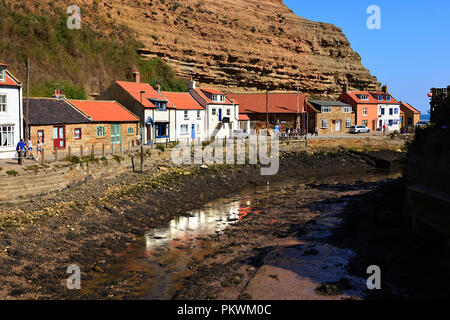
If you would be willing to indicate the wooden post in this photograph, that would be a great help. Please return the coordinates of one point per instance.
(167, 143)
(43, 155)
(56, 155)
(93, 150)
(112, 148)
(70, 151)
(121, 148)
(81, 151)
(21, 157)
(129, 147)
(103, 149)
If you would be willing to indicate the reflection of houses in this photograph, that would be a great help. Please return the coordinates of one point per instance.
(222, 114)
(329, 116)
(10, 113)
(190, 116)
(61, 123)
(440, 112)
(282, 108)
(141, 98)
(374, 109)
(409, 115)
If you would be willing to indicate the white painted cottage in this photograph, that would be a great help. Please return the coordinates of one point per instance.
(11, 126)
(189, 118)
(222, 114)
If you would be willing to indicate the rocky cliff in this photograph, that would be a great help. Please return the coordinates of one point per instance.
(236, 45)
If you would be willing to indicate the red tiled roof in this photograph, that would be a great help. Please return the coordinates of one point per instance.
(243, 117)
(135, 88)
(182, 101)
(373, 97)
(3, 64)
(9, 81)
(408, 106)
(201, 93)
(278, 102)
(104, 111)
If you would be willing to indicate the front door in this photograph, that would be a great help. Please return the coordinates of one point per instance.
(337, 126)
(59, 137)
(220, 114)
(115, 134)
(193, 132)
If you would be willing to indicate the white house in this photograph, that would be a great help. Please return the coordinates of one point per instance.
(222, 114)
(189, 116)
(388, 112)
(11, 126)
(147, 104)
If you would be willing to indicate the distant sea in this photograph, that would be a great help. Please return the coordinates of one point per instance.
(425, 117)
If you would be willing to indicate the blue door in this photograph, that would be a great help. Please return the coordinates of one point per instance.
(193, 132)
(220, 114)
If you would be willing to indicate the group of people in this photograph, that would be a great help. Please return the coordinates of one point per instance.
(292, 133)
(26, 148)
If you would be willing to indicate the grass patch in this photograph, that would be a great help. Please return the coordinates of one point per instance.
(12, 173)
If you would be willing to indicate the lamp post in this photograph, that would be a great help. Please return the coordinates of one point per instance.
(142, 133)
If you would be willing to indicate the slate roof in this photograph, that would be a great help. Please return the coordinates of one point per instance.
(50, 111)
(328, 103)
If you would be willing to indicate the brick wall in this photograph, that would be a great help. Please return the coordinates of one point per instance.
(336, 114)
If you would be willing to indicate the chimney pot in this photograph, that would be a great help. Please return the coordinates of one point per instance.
(191, 84)
(136, 76)
(385, 88)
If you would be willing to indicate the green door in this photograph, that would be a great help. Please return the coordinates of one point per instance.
(115, 134)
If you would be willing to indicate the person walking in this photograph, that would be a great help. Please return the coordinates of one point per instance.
(40, 149)
(317, 132)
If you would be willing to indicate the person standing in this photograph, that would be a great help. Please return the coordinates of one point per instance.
(40, 149)
(29, 148)
(317, 132)
(20, 150)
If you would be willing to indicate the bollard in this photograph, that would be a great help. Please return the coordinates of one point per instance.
(21, 157)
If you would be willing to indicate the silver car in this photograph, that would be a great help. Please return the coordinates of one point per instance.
(359, 129)
(240, 134)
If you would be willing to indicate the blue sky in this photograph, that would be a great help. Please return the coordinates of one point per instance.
(411, 52)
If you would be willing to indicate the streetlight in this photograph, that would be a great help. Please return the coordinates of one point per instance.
(142, 133)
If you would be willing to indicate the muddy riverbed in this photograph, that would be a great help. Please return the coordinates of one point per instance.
(216, 233)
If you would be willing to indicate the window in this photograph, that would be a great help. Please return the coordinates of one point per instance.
(382, 111)
(347, 109)
(100, 132)
(391, 111)
(365, 112)
(130, 130)
(218, 98)
(388, 98)
(363, 97)
(184, 129)
(391, 122)
(6, 136)
(198, 128)
(326, 109)
(3, 103)
(348, 123)
(186, 115)
(41, 135)
(365, 123)
(228, 112)
(160, 105)
(214, 111)
(78, 134)
(324, 124)
(162, 130)
(380, 98)
(2, 75)
(395, 110)
(198, 115)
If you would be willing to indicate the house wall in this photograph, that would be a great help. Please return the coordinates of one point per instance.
(211, 121)
(192, 119)
(371, 117)
(88, 135)
(12, 117)
(168, 116)
(410, 117)
(384, 119)
(286, 120)
(332, 117)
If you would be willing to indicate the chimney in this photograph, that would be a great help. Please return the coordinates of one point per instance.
(191, 84)
(345, 88)
(136, 76)
(385, 88)
(158, 87)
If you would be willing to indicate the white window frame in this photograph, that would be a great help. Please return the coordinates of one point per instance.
(4, 105)
(7, 136)
(322, 122)
(186, 115)
(365, 112)
(325, 109)
(348, 123)
(2, 75)
(186, 131)
(228, 112)
(214, 111)
(199, 115)
(347, 109)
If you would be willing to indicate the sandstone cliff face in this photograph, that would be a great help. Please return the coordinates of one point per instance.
(245, 45)
(238, 45)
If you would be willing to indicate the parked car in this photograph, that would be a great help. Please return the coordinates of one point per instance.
(359, 129)
(240, 134)
(423, 123)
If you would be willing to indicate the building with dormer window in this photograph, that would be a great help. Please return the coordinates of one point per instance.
(11, 126)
